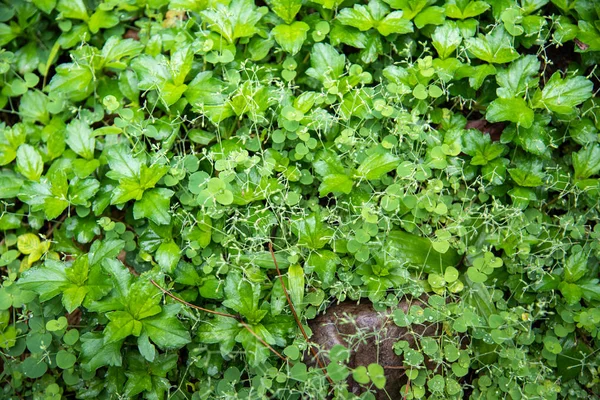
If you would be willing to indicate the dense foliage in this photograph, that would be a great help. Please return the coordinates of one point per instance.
(385, 148)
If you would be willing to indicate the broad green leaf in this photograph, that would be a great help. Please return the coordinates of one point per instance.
(154, 205)
(496, 47)
(312, 232)
(29, 162)
(45, 5)
(72, 81)
(72, 9)
(291, 37)
(165, 329)
(394, 22)
(520, 76)
(357, 17)
(563, 95)
(47, 280)
(285, 9)
(326, 63)
(168, 255)
(377, 164)
(336, 183)
(121, 325)
(235, 21)
(243, 296)
(80, 139)
(586, 161)
(514, 110)
(410, 8)
(446, 39)
(221, 330)
(34, 106)
(95, 353)
(480, 146)
(324, 263)
(463, 9)
(576, 265)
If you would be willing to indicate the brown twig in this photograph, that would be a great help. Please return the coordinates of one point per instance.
(293, 309)
(55, 225)
(236, 317)
(245, 325)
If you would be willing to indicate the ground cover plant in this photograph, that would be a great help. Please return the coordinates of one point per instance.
(185, 184)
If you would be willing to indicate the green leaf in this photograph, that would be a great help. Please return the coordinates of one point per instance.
(168, 255)
(496, 47)
(291, 37)
(410, 7)
(296, 285)
(327, 65)
(221, 330)
(446, 39)
(285, 9)
(121, 325)
(242, 296)
(65, 360)
(165, 329)
(463, 9)
(336, 183)
(80, 139)
(513, 110)
(394, 22)
(47, 280)
(562, 95)
(377, 164)
(520, 76)
(377, 375)
(312, 232)
(29, 162)
(233, 22)
(154, 205)
(576, 265)
(586, 161)
(72, 9)
(95, 353)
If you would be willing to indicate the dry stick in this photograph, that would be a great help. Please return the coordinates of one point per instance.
(236, 317)
(287, 296)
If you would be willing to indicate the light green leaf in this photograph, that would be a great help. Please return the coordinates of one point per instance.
(462, 9)
(80, 139)
(121, 325)
(496, 47)
(446, 39)
(377, 164)
(167, 256)
(312, 232)
(286, 9)
(586, 161)
(154, 205)
(296, 285)
(166, 330)
(233, 22)
(47, 280)
(72, 9)
(336, 183)
(291, 37)
(242, 296)
(29, 162)
(514, 110)
(394, 22)
(562, 95)
(521, 75)
(326, 63)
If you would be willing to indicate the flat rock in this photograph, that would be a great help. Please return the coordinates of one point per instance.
(370, 335)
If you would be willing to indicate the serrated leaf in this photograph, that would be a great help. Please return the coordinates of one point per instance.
(326, 63)
(29, 162)
(446, 39)
(80, 139)
(562, 95)
(154, 205)
(291, 37)
(518, 77)
(586, 161)
(286, 9)
(496, 47)
(514, 110)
